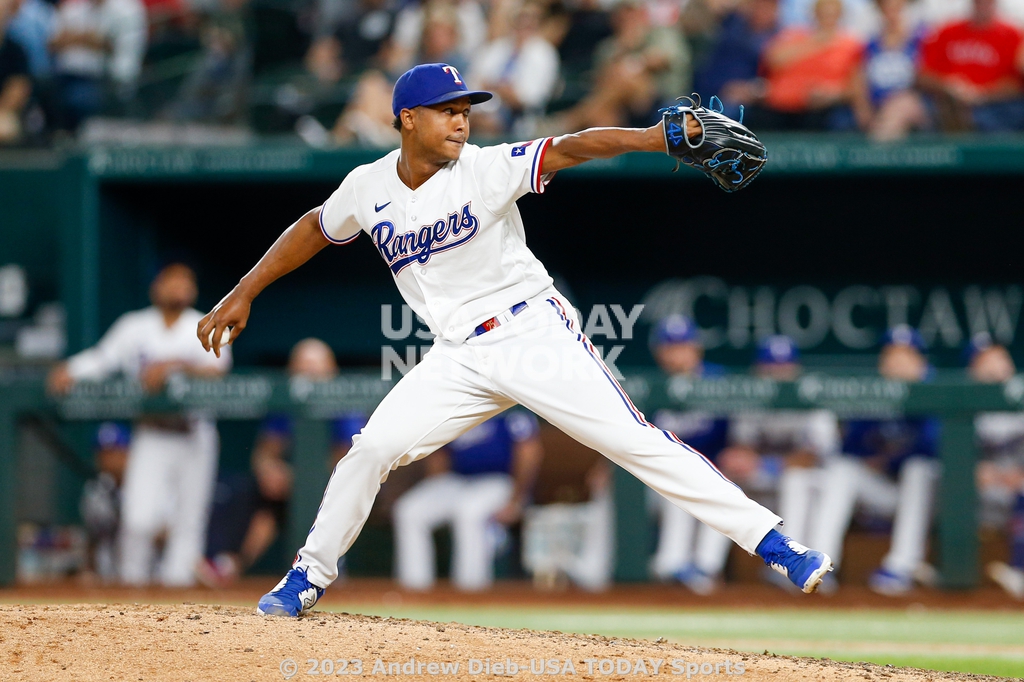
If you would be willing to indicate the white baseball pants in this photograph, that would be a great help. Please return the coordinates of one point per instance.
(542, 361)
(848, 480)
(592, 569)
(468, 503)
(683, 541)
(168, 486)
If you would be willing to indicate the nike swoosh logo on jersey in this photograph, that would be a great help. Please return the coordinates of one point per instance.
(378, 209)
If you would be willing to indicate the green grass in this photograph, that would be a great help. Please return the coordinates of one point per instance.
(966, 641)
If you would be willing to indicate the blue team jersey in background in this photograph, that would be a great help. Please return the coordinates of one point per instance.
(488, 448)
(889, 71)
(702, 431)
(894, 439)
(343, 427)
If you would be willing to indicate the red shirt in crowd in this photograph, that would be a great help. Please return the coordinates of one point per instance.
(827, 70)
(983, 55)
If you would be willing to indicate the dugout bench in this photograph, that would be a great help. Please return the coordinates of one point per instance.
(252, 396)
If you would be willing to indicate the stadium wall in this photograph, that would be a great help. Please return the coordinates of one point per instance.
(837, 240)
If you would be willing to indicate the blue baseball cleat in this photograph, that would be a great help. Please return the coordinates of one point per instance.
(804, 567)
(890, 583)
(293, 596)
(696, 580)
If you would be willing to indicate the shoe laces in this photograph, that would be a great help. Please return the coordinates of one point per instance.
(783, 554)
(292, 584)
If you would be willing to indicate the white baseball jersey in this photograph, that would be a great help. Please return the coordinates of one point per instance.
(169, 479)
(139, 338)
(456, 245)
(457, 250)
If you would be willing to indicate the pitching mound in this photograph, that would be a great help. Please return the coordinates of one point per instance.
(204, 642)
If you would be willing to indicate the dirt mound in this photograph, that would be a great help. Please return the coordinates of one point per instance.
(208, 642)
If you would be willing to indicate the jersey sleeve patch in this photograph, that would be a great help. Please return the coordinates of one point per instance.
(520, 148)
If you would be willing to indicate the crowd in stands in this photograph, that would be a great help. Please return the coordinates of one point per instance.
(325, 68)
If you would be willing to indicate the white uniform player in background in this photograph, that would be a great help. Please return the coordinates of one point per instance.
(172, 461)
(479, 484)
(1000, 472)
(688, 551)
(777, 455)
(890, 467)
(442, 214)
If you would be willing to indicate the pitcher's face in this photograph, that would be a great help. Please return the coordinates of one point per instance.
(442, 129)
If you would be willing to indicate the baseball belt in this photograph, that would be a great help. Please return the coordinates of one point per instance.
(499, 319)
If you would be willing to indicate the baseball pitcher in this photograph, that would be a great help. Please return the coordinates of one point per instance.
(442, 215)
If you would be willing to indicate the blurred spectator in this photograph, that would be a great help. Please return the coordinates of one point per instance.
(929, 13)
(441, 41)
(687, 549)
(367, 118)
(577, 32)
(15, 84)
(95, 43)
(885, 102)
(216, 90)
(31, 28)
(479, 483)
(521, 69)
(640, 68)
(732, 67)
(167, 17)
(1000, 472)
(100, 504)
(890, 467)
(937, 12)
(172, 461)
(779, 452)
(359, 42)
(859, 17)
(972, 70)
(701, 21)
(810, 74)
(462, 21)
(250, 510)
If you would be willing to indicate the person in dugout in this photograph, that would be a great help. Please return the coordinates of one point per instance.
(890, 468)
(250, 509)
(479, 484)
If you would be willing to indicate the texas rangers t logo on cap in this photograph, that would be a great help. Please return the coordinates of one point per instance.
(428, 84)
(454, 72)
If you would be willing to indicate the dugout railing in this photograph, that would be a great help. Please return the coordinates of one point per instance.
(252, 396)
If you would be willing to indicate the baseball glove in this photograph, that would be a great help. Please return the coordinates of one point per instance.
(726, 151)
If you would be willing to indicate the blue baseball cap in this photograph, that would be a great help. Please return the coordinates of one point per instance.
(978, 343)
(432, 84)
(905, 335)
(112, 435)
(777, 350)
(674, 329)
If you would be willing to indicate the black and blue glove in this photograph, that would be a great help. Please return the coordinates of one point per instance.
(726, 151)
